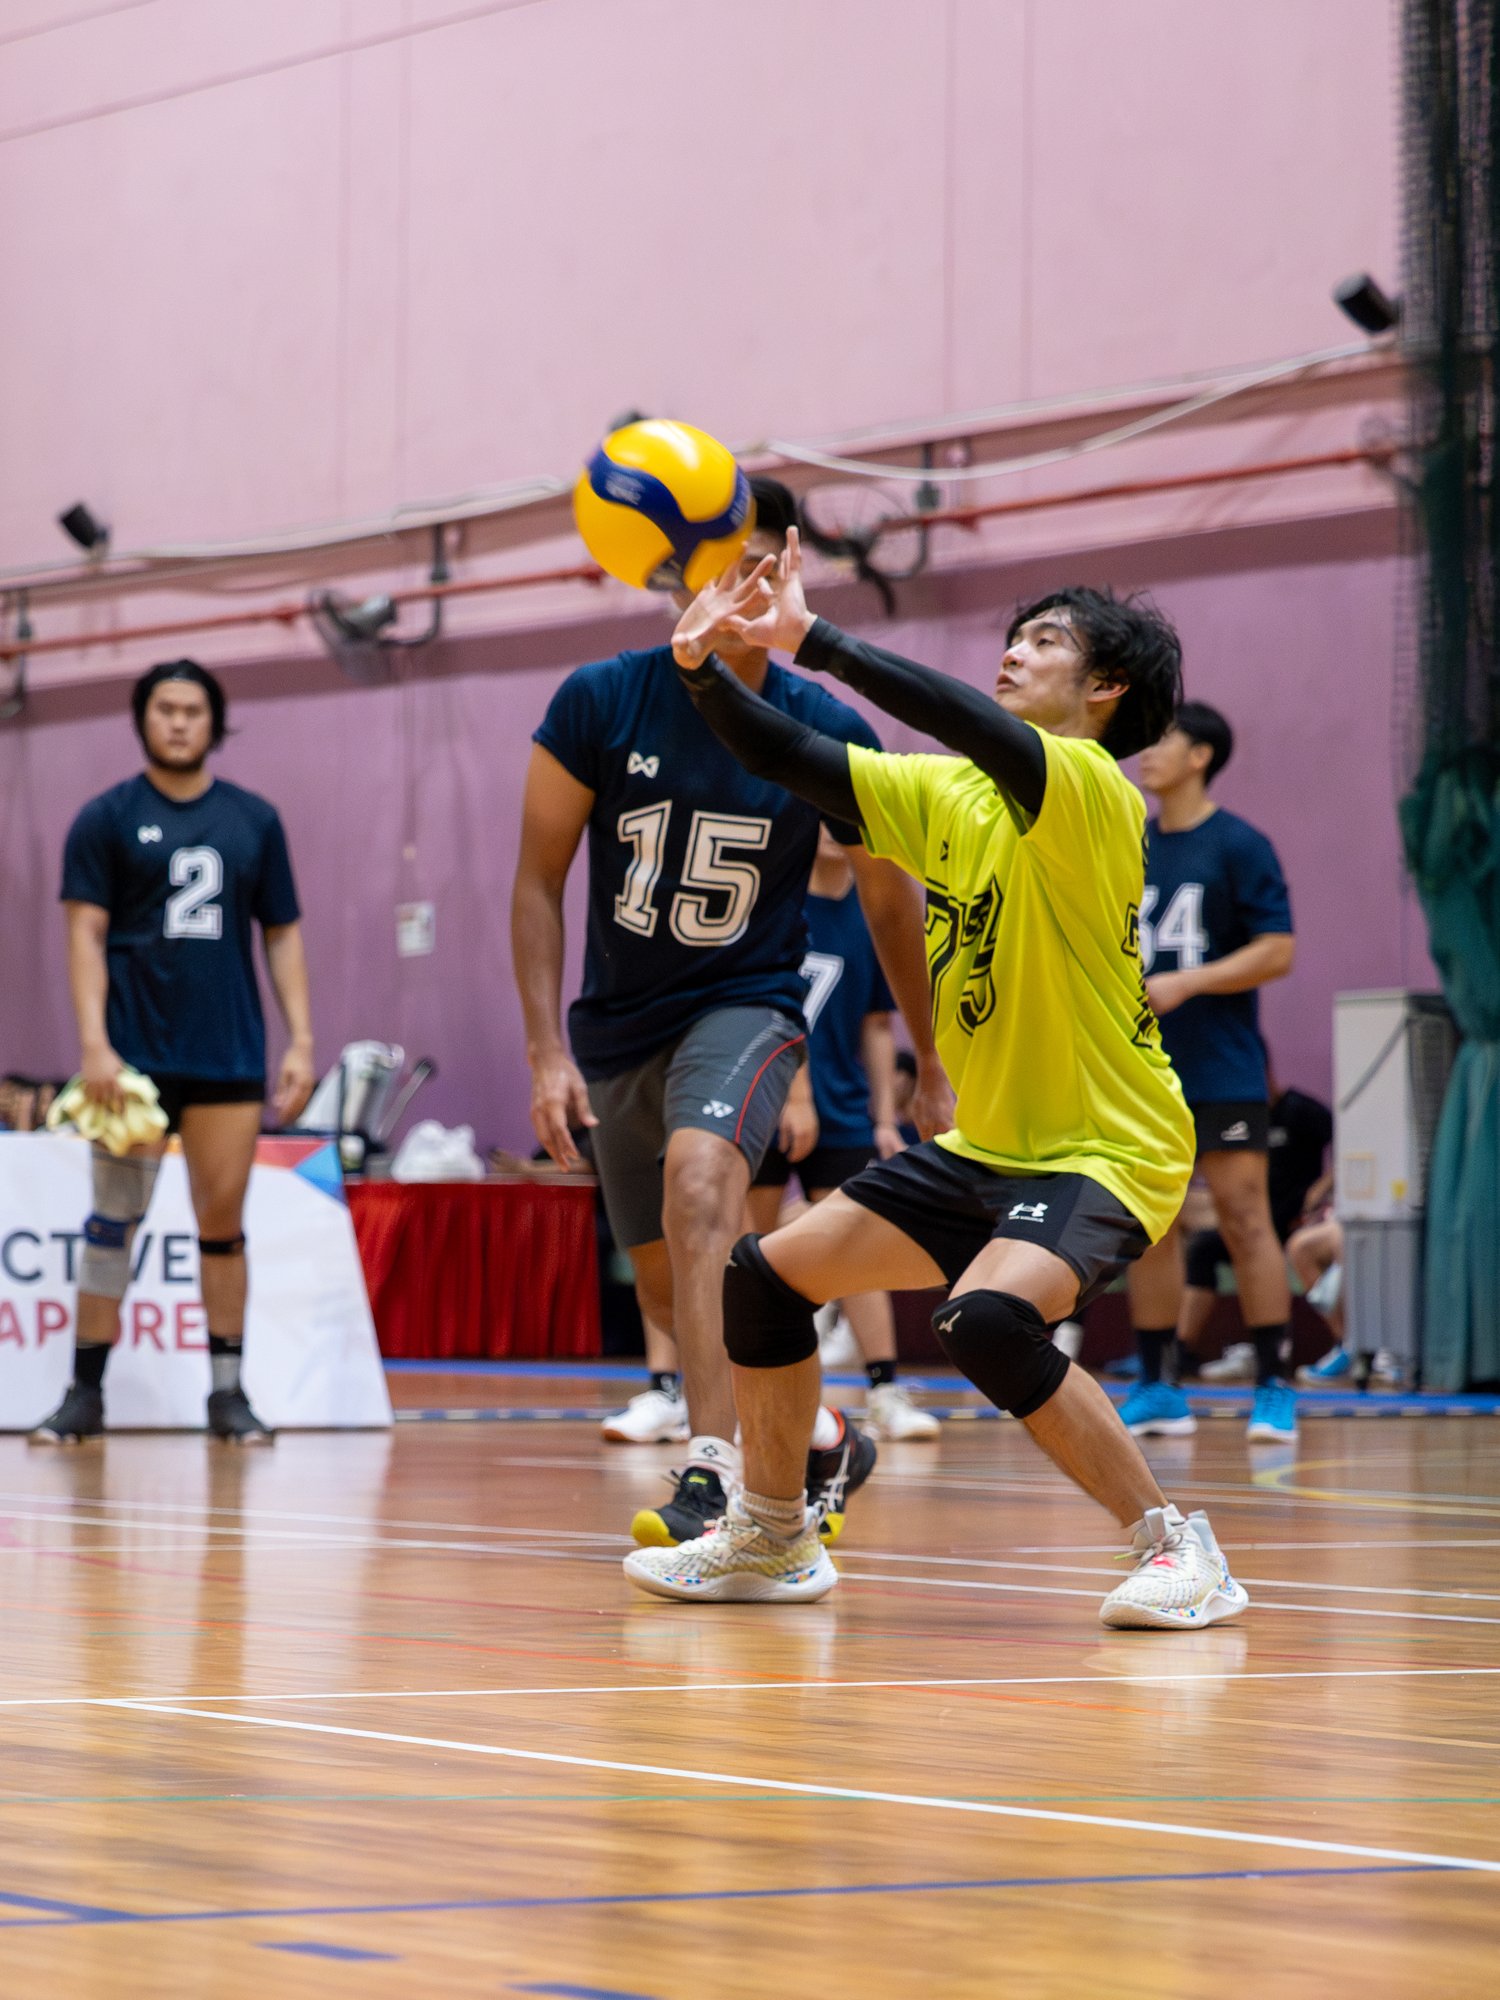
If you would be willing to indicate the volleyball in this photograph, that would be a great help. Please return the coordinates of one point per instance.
(663, 506)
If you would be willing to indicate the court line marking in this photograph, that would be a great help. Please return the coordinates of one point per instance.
(86, 1916)
(773, 1687)
(856, 1794)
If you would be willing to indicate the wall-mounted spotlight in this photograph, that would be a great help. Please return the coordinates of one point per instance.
(358, 636)
(358, 623)
(1366, 304)
(85, 528)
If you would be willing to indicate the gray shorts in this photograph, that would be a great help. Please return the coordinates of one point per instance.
(728, 1073)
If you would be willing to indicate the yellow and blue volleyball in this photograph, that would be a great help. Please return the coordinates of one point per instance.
(663, 506)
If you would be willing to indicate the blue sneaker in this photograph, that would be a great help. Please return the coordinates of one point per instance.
(1273, 1416)
(1336, 1366)
(1157, 1409)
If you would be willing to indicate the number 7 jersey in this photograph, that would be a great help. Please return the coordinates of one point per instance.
(697, 870)
(184, 881)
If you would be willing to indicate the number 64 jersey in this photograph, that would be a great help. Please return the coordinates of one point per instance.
(697, 870)
(183, 882)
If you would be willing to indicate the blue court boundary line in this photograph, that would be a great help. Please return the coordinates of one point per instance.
(1308, 1407)
(69, 1915)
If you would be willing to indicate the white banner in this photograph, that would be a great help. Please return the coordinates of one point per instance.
(311, 1359)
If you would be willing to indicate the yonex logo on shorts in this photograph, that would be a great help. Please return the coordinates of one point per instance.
(647, 767)
(145, 833)
(714, 1109)
(1028, 1211)
(1234, 1133)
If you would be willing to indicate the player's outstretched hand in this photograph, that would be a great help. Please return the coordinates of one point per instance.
(100, 1072)
(777, 616)
(294, 1084)
(715, 607)
(559, 1103)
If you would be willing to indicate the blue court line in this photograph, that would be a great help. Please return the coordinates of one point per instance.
(584, 1992)
(340, 1951)
(87, 1915)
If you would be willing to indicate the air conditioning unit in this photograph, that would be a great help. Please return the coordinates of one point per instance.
(1392, 1052)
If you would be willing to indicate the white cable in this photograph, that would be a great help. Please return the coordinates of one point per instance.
(865, 468)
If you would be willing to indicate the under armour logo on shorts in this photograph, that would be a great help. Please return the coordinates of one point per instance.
(1028, 1211)
(714, 1109)
(646, 766)
(145, 833)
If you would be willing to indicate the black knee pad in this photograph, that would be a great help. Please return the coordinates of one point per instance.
(766, 1323)
(1001, 1343)
(220, 1246)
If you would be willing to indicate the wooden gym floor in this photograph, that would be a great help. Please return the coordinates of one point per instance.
(378, 1715)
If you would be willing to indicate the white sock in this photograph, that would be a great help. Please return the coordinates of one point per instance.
(718, 1455)
(827, 1430)
(783, 1519)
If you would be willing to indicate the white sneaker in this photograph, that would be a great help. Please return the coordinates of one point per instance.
(1235, 1364)
(891, 1413)
(737, 1562)
(653, 1417)
(1180, 1579)
(837, 1347)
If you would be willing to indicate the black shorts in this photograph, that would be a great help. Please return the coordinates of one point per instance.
(952, 1207)
(824, 1168)
(176, 1093)
(1232, 1127)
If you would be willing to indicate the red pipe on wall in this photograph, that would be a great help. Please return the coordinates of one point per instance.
(955, 517)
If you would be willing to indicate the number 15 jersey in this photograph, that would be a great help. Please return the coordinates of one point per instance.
(697, 870)
(183, 882)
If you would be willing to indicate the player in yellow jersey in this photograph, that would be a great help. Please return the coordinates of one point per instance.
(1072, 1145)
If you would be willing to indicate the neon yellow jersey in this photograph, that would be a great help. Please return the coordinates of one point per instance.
(1038, 994)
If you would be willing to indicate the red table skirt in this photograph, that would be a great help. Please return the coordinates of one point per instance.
(468, 1270)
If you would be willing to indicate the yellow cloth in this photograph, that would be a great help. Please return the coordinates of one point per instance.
(1039, 1004)
(140, 1123)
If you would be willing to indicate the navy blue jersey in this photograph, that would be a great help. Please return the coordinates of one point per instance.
(182, 882)
(697, 871)
(844, 984)
(1209, 891)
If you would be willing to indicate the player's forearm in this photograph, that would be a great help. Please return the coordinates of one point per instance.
(958, 715)
(88, 983)
(1254, 964)
(536, 940)
(878, 1047)
(772, 745)
(893, 911)
(286, 962)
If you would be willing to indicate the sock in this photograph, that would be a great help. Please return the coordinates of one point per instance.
(1269, 1341)
(88, 1363)
(782, 1518)
(1154, 1345)
(828, 1430)
(224, 1360)
(664, 1382)
(880, 1372)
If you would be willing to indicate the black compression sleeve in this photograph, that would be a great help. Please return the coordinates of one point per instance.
(776, 746)
(969, 722)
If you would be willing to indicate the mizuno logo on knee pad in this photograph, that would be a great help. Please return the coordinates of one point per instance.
(1001, 1343)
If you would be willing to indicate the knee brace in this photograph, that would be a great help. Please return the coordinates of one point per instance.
(221, 1246)
(766, 1323)
(122, 1194)
(1001, 1343)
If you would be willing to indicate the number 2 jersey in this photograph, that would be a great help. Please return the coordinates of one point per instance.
(1038, 994)
(697, 870)
(183, 882)
(1210, 890)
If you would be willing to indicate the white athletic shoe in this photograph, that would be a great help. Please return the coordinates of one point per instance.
(892, 1414)
(1235, 1364)
(1180, 1580)
(837, 1347)
(652, 1417)
(737, 1562)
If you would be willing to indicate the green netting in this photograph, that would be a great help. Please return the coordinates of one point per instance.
(1450, 818)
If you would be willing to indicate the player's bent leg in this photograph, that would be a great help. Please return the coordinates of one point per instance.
(121, 1196)
(218, 1144)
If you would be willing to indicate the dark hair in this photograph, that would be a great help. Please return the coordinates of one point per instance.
(906, 1062)
(1126, 639)
(179, 670)
(1201, 724)
(775, 507)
